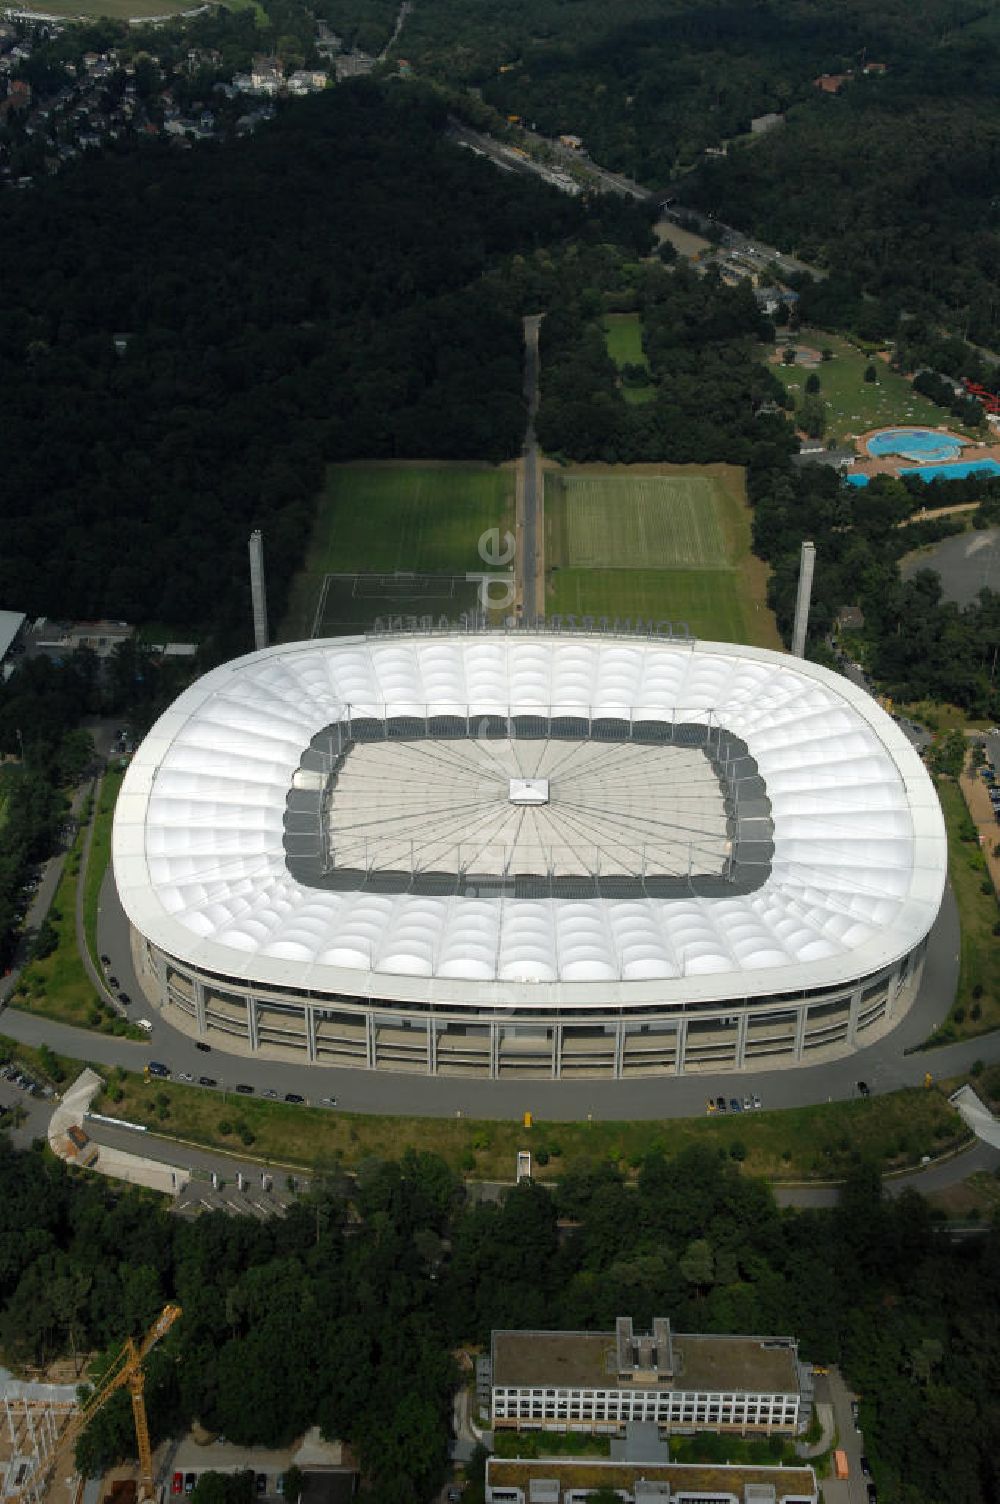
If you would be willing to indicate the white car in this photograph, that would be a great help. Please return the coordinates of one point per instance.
(144, 1023)
(184, 1076)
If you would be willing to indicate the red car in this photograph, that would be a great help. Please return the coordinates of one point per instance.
(177, 1483)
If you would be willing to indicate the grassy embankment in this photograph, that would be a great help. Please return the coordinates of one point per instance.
(57, 985)
(100, 856)
(855, 405)
(820, 1142)
(623, 337)
(116, 10)
(386, 520)
(976, 1008)
(661, 542)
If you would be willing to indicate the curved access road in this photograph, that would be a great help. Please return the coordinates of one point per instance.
(884, 1065)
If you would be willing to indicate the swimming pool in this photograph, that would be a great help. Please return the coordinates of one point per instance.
(954, 472)
(914, 444)
(960, 471)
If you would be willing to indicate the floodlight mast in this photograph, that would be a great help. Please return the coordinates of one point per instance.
(807, 563)
(258, 592)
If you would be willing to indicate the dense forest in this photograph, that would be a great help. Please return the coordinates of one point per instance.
(346, 1312)
(890, 182)
(311, 294)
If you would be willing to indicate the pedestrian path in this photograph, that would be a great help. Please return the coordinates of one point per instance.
(977, 1115)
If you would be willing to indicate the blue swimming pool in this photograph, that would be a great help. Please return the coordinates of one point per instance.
(914, 444)
(960, 471)
(954, 472)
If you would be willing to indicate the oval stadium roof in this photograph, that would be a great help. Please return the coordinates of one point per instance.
(202, 864)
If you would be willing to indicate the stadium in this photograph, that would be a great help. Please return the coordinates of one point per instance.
(529, 854)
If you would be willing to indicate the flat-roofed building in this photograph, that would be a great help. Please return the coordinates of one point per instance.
(603, 1381)
(571, 1480)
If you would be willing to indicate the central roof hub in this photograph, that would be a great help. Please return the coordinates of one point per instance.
(529, 791)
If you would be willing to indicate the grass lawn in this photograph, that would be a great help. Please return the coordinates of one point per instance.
(668, 542)
(639, 522)
(118, 10)
(100, 855)
(383, 517)
(802, 1143)
(853, 404)
(623, 337)
(978, 912)
(709, 600)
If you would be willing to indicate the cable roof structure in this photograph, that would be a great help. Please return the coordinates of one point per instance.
(529, 818)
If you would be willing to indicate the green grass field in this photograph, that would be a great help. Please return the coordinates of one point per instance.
(380, 518)
(709, 600)
(640, 522)
(853, 404)
(664, 542)
(623, 337)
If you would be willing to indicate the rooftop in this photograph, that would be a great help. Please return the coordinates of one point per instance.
(593, 1473)
(854, 881)
(577, 1360)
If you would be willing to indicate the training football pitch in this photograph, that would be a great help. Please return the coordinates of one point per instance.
(397, 540)
(658, 542)
(639, 522)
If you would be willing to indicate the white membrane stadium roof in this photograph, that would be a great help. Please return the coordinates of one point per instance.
(856, 876)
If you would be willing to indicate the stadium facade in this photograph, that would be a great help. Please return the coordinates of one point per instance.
(529, 854)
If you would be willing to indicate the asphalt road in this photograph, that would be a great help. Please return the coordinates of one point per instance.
(883, 1065)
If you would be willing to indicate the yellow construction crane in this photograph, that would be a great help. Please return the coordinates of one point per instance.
(127, 1371)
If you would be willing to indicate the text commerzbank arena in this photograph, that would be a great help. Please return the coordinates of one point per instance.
(529, 854)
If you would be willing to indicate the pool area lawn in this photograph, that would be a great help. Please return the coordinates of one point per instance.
(855, 405)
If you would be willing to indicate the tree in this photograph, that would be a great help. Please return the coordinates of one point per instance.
(871, 374)
(812, 384)
(789, 355)
(812, 416)
(697, 1264)
(292, 1481)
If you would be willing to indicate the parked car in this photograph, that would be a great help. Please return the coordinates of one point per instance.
(113, 982)
(157, 1068)
(864, 1090)
(190, 1479)
(293, 1096)
(735, 1105)
(207, 1081)
(200, 1044)
(270, 1092)
(106, 961)
(720, 1103)
(329, 1101)
(758, 1104)
(711, 1104)
(261, 1483)
(177, 1481)
(865, 1469)
(184, 1076)
(246, 1090)
(872, 1494)
(124, 999)
(856, 1415)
